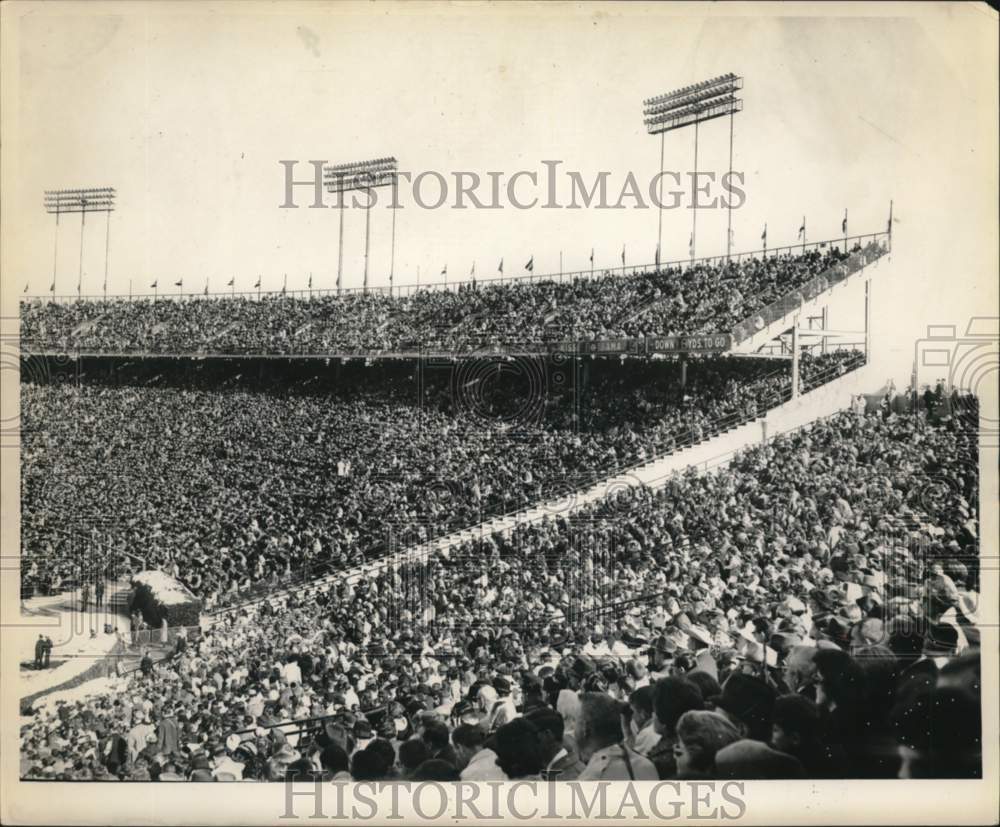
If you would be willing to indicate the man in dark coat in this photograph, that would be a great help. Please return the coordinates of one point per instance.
(39, 651)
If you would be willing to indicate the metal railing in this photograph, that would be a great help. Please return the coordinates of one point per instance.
(878, 246)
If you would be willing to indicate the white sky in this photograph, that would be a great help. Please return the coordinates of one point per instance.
(187, 110)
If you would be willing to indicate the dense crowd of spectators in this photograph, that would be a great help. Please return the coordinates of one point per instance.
(808, 610)
(704, 298)
(230, 488)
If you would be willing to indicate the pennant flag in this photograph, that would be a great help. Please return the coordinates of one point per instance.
(310, 281)
(763, 235)
(802, 229)
(657, 255)
(26, 288)
(206, 288)
(530, 266)
(843, 224)
(500, 268)
(257, 285)
(284, 284)
(889, 228)
(691, 244)
(444, 270)
(153, 285)
(623, 255)
(52, 288)
(473, 271)
(232, 281)
(179, 283)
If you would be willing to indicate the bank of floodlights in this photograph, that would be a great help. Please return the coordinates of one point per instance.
(83, 201)
(363, 176)
(690, 106)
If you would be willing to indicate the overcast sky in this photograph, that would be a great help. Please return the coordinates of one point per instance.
(187, 112)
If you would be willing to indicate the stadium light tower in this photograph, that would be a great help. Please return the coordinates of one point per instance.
(689, 106)
(363, 176)
(83, 201)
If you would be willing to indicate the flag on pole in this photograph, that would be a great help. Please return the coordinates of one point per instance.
(530, 266)
(52, 287)
(25, 288)
(591, 255)
(310, 281)
(691, 244)
(206, 287)
(257, 285)
(500, 268)
(284, 284)
(802, 229)
(889, 228)
(444, 270)
(623, 255)
(657, 255)
(179, 282)
(232, 281)
(763, 235)
(153, 285)
(473, 271)
(843, 224)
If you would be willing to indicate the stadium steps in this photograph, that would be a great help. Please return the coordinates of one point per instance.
(710, 454)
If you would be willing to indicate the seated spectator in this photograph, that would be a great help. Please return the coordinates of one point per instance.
(412, 754)
(672, 698)
(518, 750)
(698, 736)
(747, 702)
(600, 740)
(798, 731)
(558, 763)
(751, 760)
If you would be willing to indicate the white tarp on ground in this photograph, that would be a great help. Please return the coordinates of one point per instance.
(168, 591)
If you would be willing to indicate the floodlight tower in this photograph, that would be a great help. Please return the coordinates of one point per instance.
(689, 106)
(363, 176)
(83, 201)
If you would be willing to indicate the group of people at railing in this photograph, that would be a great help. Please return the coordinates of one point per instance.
(809, 610)
(704, 298)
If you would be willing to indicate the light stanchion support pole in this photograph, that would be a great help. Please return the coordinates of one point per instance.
(729, 201)
(55, 256)
(392, 243)
(368, 229)
(659, 229)
(107, 253)
(694, 204)
(79, 280)
(340, 247)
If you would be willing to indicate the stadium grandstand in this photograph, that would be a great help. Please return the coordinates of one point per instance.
(468, 532)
